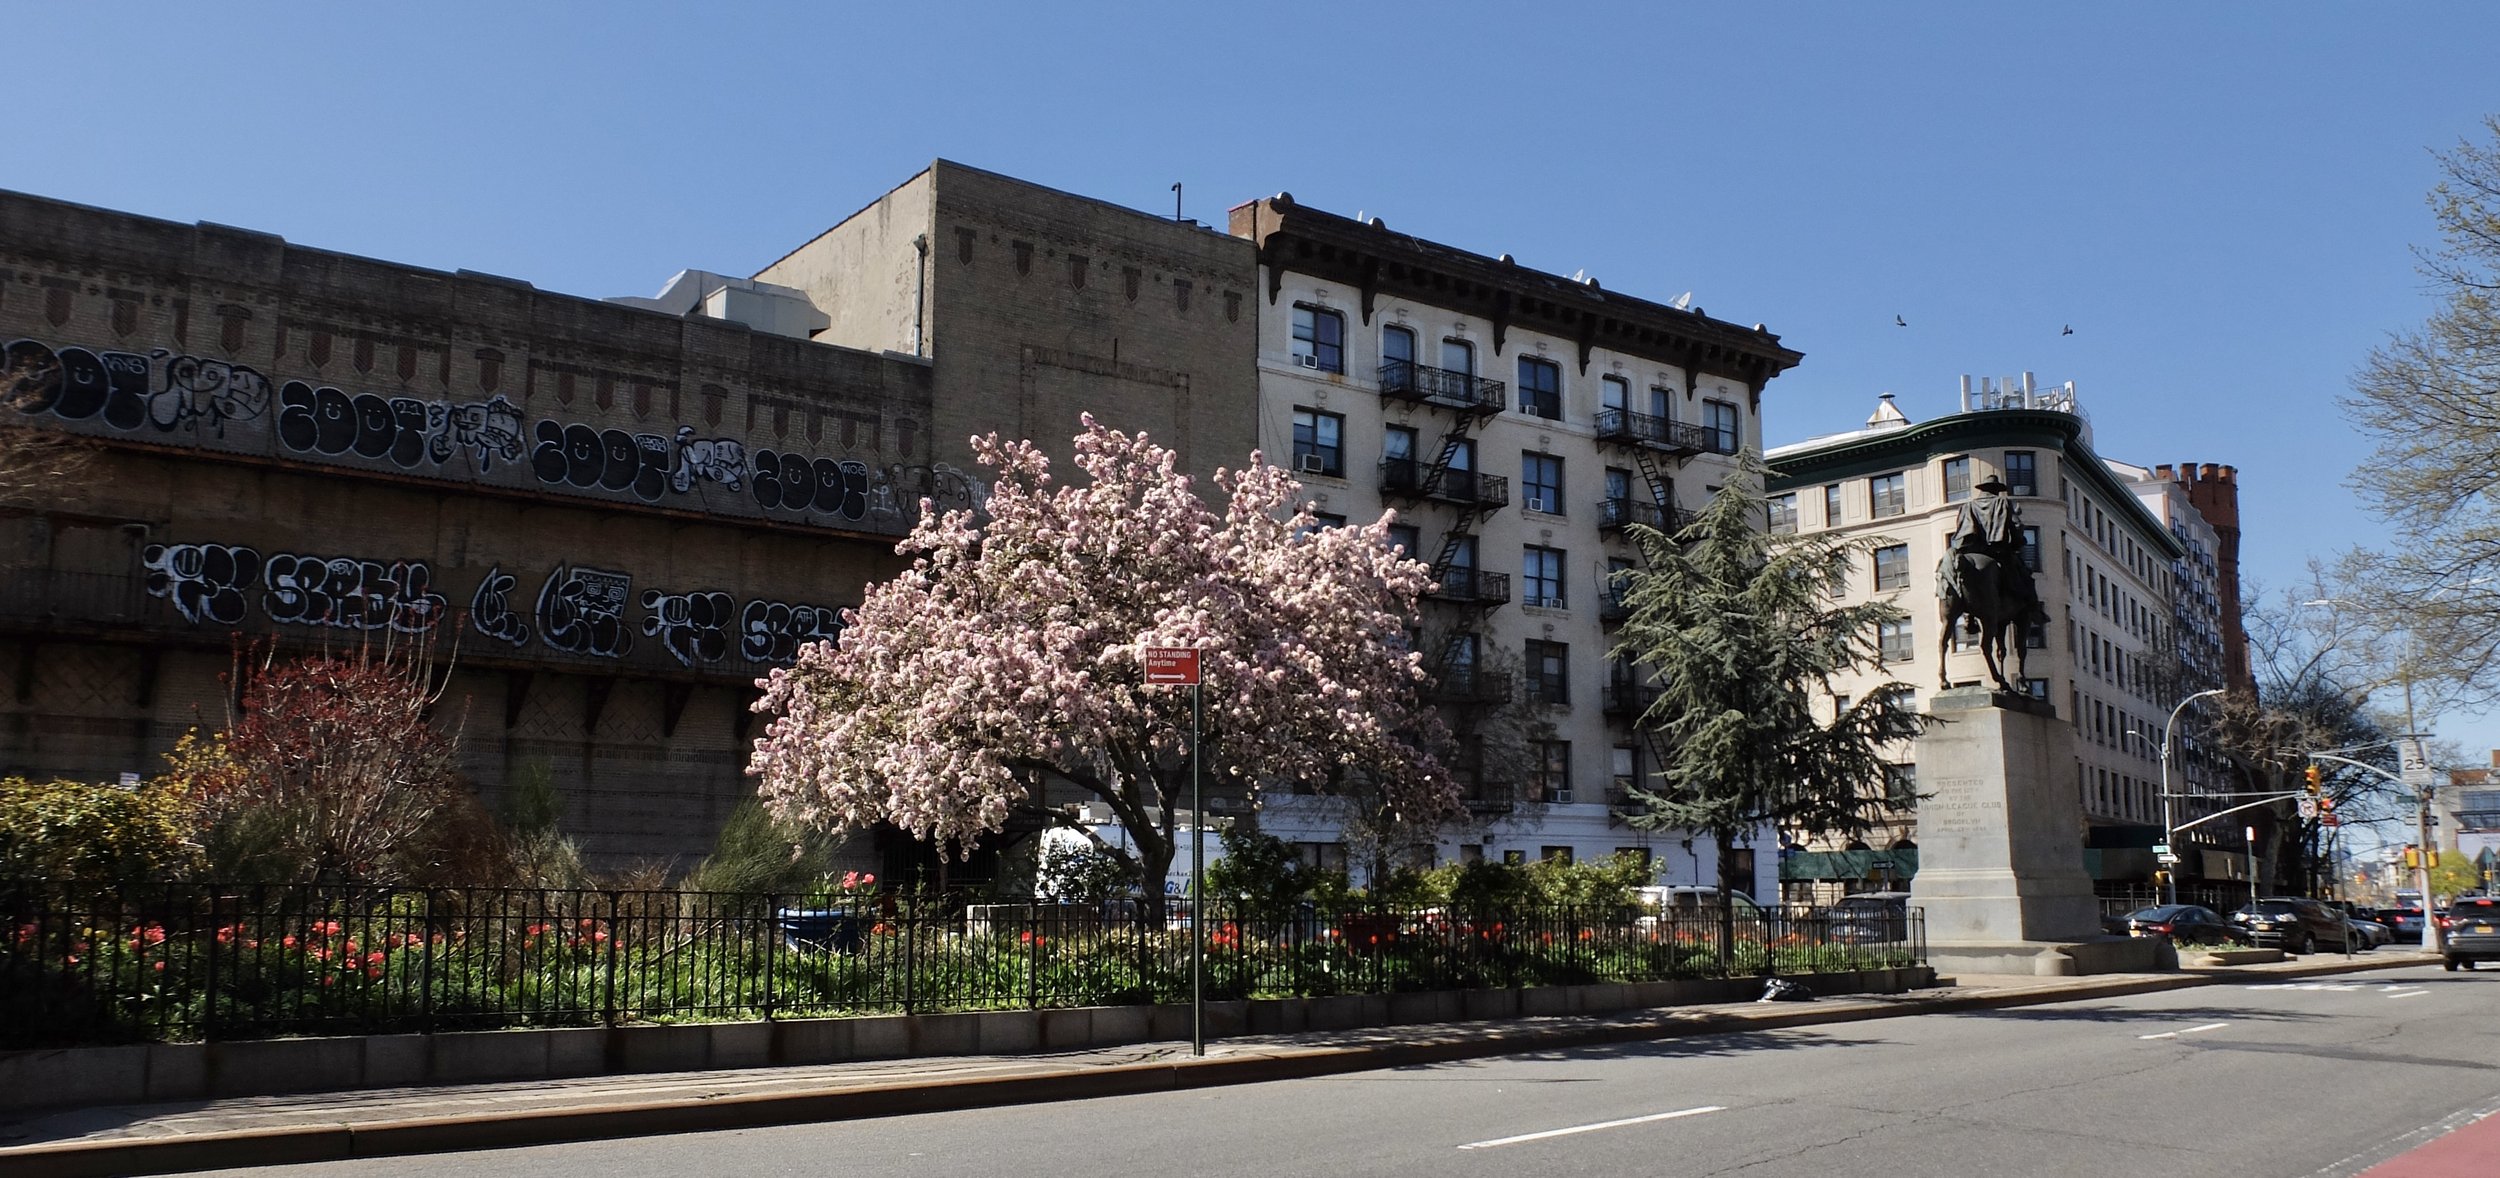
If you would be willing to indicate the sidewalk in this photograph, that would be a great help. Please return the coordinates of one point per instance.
(260, 1131)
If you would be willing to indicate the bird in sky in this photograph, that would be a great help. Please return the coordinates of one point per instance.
(2070, 330)
(1898, 321)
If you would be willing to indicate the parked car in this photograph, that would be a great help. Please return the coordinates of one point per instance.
(2368, 931)
(2186, 924)
(1692, 907)
(2473, 931)
(1867, 918)
(2293, 924)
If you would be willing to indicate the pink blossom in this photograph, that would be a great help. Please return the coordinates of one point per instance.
(1014, 647)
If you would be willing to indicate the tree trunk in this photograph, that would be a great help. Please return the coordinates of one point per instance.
(1154, 865)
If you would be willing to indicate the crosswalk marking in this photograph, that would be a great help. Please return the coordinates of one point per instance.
(1685, 1112)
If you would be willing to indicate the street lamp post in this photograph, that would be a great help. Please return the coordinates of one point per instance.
(2169, 816)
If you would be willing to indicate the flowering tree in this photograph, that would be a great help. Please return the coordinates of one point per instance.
(1011, 656)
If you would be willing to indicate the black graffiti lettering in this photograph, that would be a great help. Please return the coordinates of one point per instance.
(798, 482)
(33, 376)
(297, 430)
(719, 460)
(854, 491)
(490, 609)
(126, 383)
(694, 627)
(351, 594)
(651, 462)
(205, 582)
(773, 631)
(489, 430)
(582, 611)
(213, 391)
(84, 385)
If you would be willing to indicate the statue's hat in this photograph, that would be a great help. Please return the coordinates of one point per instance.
(1991, 483)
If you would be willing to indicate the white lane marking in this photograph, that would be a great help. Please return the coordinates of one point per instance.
(2410, 994)
(1682, 1112)
(2188, 1031)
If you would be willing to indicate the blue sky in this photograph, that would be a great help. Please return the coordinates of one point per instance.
(2220, 199)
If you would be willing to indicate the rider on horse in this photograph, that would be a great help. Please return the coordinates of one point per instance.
(1990, 524)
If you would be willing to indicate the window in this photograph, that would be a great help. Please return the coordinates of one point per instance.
(1321, 856)
(1886, 495)
(1618, 492)
(1315, 442)
(1459, 356)
(1554, 854)
(1514, 858)
(1901, 786)
(1638, 855)
(1540, 388)
(1893, 639)
(1470, 853)
(1614, 392)
(1463, 553)
(1957, 479)
(1397, 353)
(1624, 762)
(1543, 574)
(1618, 586)
(1831, 506)
(1550, 781)
(1720, 418)
(1540, 482)
(2031, 549)
(1549, 672)
(1321, 520)
(2037, 689)
(1784, 513)
(2022, 473)
(1405, 538)
(1318, 338)
(1892, 568)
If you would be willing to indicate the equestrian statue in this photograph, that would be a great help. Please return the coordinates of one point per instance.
(1984, 584)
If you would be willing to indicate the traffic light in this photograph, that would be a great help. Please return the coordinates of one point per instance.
(2413, 857)
(2311, 776)
(2326, 805)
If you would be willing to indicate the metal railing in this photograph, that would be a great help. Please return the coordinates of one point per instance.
(189, 961)
(1471, 587)
(1406, 380)
(1469, 684)
(1676, 437)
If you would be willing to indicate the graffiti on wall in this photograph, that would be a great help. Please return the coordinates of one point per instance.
(201, 397)
(580, 610)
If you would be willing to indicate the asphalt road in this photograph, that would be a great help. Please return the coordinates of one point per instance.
(2244, 1081)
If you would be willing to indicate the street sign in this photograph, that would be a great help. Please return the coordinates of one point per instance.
(2415, 765)
(2330, 820)
(2308, 807)
(2161, 848)
(2167, 858)
(1171, 664)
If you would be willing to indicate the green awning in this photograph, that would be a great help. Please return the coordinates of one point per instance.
(1857, 865)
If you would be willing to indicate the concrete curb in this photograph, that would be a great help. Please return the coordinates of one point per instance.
(334, 1142)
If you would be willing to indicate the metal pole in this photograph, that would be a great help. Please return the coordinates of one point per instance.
(2432, 939)
(2251, 834)
(2169, 817)
(1197, 885)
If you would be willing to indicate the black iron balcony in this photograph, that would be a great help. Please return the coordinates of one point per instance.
(1657, 433)
(1612, 607)
(1466, 488)
(1615, 514)
(1627, 700)
(1405, 380)
(1469, 684)
(1460, 586)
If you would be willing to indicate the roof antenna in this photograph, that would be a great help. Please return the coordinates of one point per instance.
(1176, 200)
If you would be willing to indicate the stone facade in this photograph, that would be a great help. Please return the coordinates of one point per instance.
(606, 521)
(1036, 306)
(1517, 421)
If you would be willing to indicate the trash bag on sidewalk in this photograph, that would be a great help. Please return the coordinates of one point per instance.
(1783, 990)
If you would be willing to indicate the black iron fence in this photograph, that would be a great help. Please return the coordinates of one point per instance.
(189, 961)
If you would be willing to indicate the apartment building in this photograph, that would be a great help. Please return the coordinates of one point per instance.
(1517, 422)
(2116, 552)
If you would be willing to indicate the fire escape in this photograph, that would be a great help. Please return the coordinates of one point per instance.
(1656, 446)
(1471, 497)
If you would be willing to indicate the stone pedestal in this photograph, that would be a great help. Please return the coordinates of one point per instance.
(2000, 842)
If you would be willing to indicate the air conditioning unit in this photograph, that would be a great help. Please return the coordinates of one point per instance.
(1307, 361)
(1310, 464)
(1540, 503)
(1559, 797)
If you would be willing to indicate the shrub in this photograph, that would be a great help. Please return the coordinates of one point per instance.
(75, 830)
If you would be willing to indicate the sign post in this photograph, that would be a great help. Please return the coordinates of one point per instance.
(1176, 666)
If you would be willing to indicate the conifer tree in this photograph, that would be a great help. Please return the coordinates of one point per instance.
(1741, 631)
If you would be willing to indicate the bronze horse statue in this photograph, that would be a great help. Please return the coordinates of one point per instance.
(1995, 598)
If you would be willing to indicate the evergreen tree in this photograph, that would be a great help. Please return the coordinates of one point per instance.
(1739, 630)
